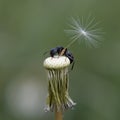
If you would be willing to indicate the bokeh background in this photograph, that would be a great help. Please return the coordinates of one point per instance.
(28, 28)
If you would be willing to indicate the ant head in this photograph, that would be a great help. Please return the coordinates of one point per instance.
(59, 49)
(56, 51)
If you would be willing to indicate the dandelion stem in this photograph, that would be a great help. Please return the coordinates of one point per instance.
(58, 115)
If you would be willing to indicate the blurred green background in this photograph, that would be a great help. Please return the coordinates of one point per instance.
(28, 28)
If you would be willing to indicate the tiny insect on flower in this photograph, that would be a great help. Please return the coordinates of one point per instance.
(61, 51)
(86, 31)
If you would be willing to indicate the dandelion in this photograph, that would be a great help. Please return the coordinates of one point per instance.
(86, 31)
(57, 64)
(58, 98)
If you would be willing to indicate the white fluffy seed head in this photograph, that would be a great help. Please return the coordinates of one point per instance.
(56, 62)
(85, 30)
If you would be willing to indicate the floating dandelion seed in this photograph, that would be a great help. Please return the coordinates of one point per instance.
(86, 31)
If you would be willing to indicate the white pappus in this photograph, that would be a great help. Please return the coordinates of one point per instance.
(85, 30)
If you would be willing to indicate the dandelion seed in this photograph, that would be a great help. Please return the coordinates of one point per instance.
(86, 31)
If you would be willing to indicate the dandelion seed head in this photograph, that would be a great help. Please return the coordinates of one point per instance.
(85, 30)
